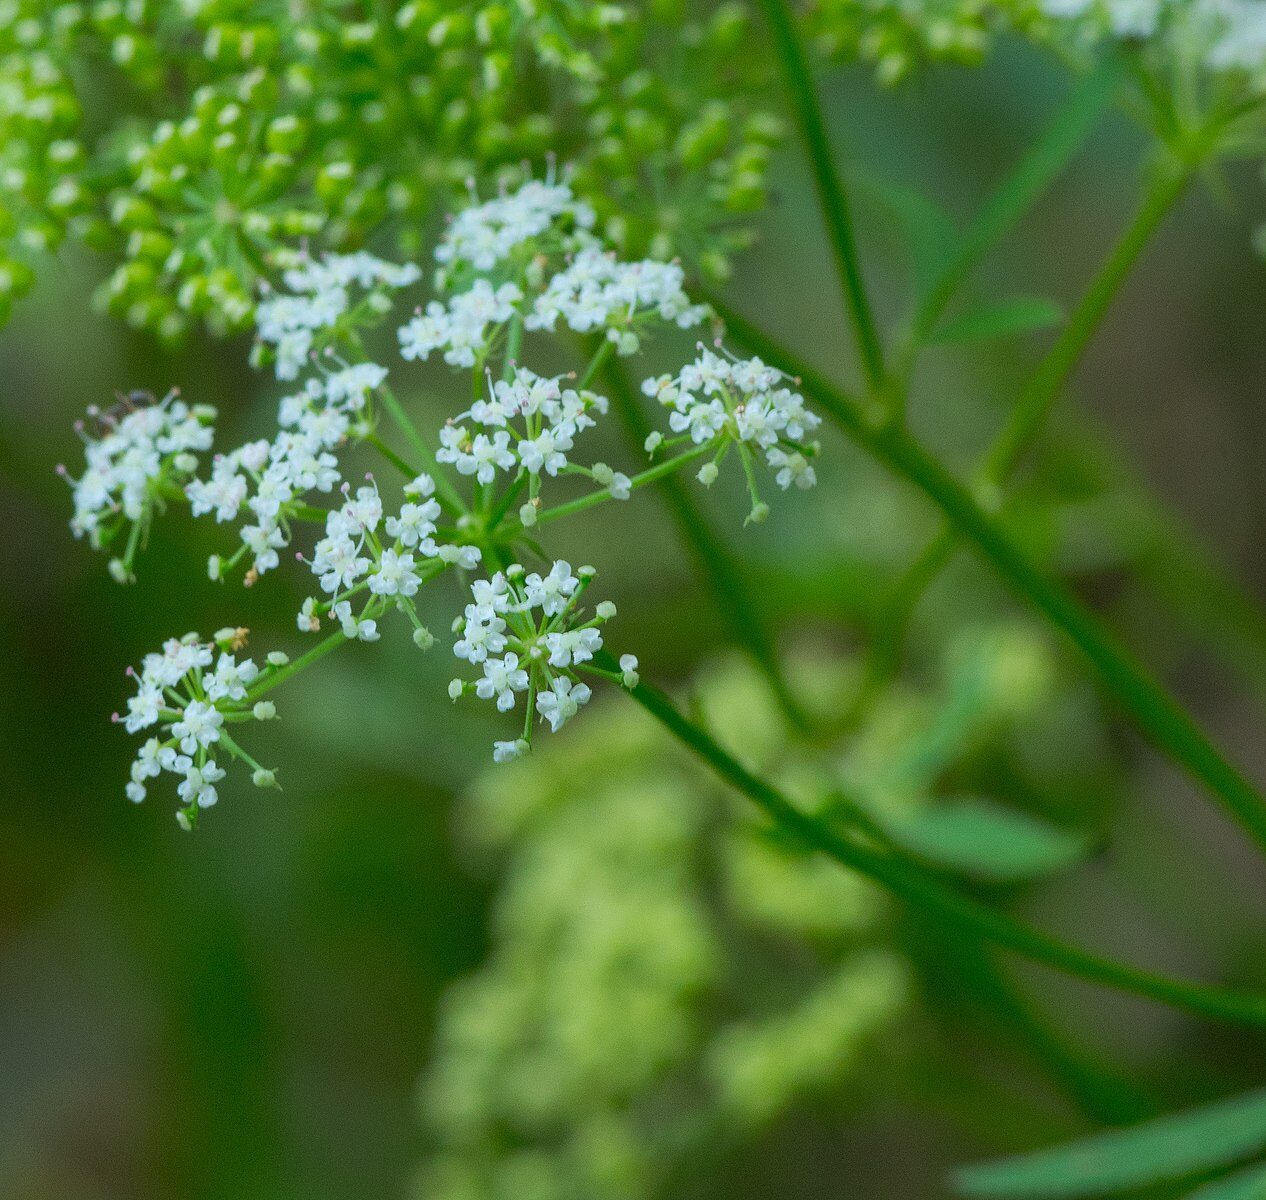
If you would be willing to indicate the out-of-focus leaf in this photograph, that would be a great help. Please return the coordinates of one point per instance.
(988, 842)
(1018, 315)
(1168, 1148)
(1248, 1184)
(931, 233)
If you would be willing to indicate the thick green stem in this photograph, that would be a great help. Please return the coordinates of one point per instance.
(728, 587)
(1025, 422)
(1156, 713)
(919, 887)
(831, 195)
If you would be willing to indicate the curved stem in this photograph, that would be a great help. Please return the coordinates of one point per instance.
(1153, 709)
(919, 887)
(831, 195)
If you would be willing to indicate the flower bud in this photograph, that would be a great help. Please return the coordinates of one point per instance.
(527, 515)
(423, 639)
(605, 610)
(708, 474)
(455, 688)
(264, 710)
(263, 778)
(277, 658)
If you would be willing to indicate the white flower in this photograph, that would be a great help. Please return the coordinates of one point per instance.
(354, 628)
(551, 592)
(596, 290)
(561, 702)
(394, 575)
(198, 727)
(198, 786)
(320, 294)
(485, 234)
(504, 752)
(572, 647)
(127, 457)
(502, 678)
(231, 679)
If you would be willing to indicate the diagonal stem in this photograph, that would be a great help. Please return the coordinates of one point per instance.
(1026, 420)
(1153, 709)
(831, 194)
(923, 889)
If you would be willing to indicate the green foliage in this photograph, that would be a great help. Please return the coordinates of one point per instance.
(237, 127)
(1169, 1148)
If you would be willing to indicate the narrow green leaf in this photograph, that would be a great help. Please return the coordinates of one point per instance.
(987, 842)
(1026, 184)
(1168, 1148)
(1018, 315)
(928, 229)
(1248, 1184)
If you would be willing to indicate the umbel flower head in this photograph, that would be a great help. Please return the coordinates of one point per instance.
(137, 454)
(528, 634)
(517, 269)
(189, 692)
(744, 405)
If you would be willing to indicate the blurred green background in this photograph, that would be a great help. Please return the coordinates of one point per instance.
(246, 1012)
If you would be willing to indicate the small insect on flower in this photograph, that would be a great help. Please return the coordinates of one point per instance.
(530, 636)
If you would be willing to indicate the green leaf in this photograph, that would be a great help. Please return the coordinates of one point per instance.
(931, 233)
(1248, 1184)
(1018, 315)
(987, 842)
(1022, 189)
(1168, 1148)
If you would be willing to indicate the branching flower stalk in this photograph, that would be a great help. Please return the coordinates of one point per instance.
(511, 268)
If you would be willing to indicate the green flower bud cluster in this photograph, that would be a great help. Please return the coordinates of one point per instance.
(896, 36)
(613, 1035)
(226, 129)
(40, 160)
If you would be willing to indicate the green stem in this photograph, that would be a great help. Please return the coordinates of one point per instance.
(278, 677)
(831, 195)
(1025, 423)
(1047, 383)
(1156, 713)
(392, 457)
(443, 485)
(713, 563)
(918, 887)
(593, 499)
(1023, 188)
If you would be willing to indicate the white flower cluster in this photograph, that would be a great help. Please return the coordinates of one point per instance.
(388, 559)
(548, 416)
(460, 328)
(1223, 35)
(269, 478)
(591, 289)
(320, 294)
(743, 403)
(139, 447)
(527, 634)
(484, 235)
(191, 693)
(597, 291)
